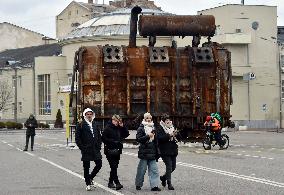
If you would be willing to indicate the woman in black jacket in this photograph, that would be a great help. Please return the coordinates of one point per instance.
(88, 139)
(168, 148)
(113, 135)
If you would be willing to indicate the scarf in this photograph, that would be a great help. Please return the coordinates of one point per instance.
(168, 128)
(148, 128)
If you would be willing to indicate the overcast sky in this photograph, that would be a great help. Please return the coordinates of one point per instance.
(39, 15)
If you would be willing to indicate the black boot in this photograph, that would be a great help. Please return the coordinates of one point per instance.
(170, 186)
(163, 179)
(25, 149)
(118, 186)
(111, 185)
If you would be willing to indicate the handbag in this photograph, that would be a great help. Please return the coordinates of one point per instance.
(113, 152)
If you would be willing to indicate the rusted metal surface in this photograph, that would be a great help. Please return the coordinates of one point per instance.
(133, 25)
(188, 83)
(154, 25)
(184, 86)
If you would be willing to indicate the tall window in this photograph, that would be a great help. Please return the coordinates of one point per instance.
(20, 107)
(282, 61)
(282, 90)
(20, 81)
(14, 81)
(69, 79)
(44, 97)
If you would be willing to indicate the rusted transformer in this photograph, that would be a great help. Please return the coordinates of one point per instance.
(187, 82)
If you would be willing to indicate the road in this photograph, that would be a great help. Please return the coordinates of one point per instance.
(253, 164)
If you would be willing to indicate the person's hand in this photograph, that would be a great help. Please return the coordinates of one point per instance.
(120, 123)
(151, 135)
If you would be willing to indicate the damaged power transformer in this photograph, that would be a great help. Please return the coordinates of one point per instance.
(188, 83)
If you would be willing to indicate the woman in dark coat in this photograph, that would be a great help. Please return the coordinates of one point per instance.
(113, 135)
(168, 148)
(88, 139)
(30, 124)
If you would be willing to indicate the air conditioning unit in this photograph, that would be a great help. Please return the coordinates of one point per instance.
(282, 69)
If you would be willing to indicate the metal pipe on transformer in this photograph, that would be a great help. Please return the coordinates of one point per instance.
(133, 25)
(161, 25)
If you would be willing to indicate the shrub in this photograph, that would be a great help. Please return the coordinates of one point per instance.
(10, 125)
(2, 125)
(19, 126)
(43, 126)
(58, 121)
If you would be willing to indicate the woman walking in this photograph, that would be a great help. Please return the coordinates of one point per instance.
(113, 135)
(168, 148)
(147, 153)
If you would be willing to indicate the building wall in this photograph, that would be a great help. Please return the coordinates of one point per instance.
(252, 51)
(72, 14)
(24, 91)
(13, 37)
(56, 67)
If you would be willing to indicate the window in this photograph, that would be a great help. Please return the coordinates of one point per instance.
(14, 81)
(20, 81)
(77, 12)
(20, 107)
(44, 97)
(282, 61)
(69, 79)
(69, 14)
(282, 90)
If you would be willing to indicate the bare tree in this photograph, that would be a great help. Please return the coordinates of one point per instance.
(5, 95)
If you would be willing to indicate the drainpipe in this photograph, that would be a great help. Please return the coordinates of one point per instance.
(280, 88)
(133, 25)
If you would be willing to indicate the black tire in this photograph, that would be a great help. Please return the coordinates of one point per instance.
(207, 143)
(225, 138)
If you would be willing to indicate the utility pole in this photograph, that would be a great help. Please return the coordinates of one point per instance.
(16, 95)
(243, 2)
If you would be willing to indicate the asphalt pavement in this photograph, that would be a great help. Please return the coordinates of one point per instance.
(253, 164)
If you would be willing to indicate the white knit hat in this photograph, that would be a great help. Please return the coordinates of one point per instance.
(147, 114)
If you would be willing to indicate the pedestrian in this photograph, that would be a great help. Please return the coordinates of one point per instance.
(30, 124)
(167, 138)
(147, 153)
(88, 139)
(113, 135)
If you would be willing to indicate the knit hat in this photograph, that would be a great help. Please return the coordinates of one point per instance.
(147, 115)
(87, 110)
(164, 117)
(116, 117)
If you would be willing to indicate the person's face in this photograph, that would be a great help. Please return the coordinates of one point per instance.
(148, 119)
(115, 122)
(168, 121)
(89, 116)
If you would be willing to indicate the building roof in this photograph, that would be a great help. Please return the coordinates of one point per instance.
(24, 57)
(109, 24)
(280, 34)
(233, 5)
(22, 28)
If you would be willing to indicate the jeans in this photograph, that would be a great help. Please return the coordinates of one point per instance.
(89, 177)
(113, 163)
(170, 162)
(32, 141)
(153, 173)
(217, 135)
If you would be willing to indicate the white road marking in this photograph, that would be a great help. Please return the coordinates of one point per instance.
(79, 176)
(235, 175)
(4, 142)
(19, 149)
(29, 153)
(10, 145)
(230, 174)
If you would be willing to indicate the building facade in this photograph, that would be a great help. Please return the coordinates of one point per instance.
(13, 37)
(249, 32)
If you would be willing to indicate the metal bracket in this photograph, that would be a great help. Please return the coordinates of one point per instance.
(158, 54)
(203, 54)
(113, 54)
